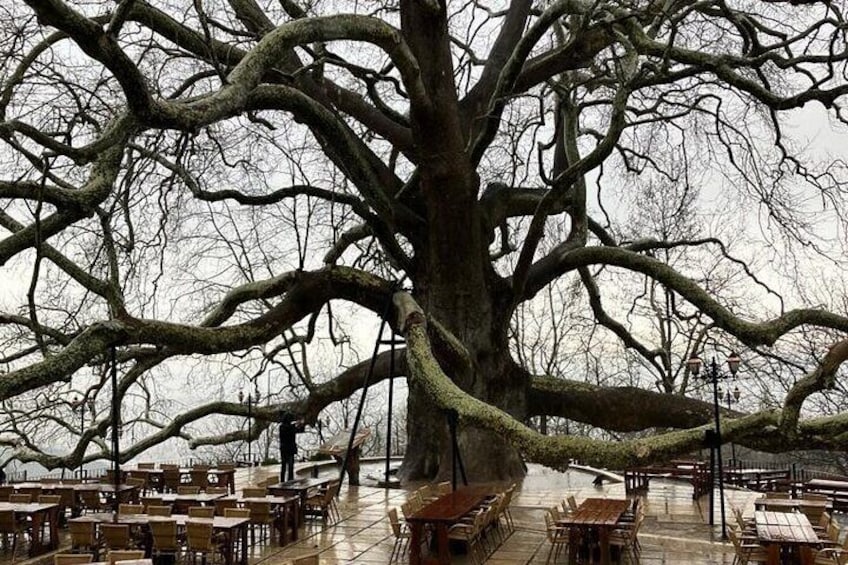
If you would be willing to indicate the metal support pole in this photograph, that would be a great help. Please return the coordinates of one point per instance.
(249, 424)
(714, 376)
(116, 409)
(389, 419)
(712, 482)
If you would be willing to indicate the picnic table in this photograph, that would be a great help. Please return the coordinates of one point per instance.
(287, 507)
(230, 528)
(38, 514)
(442, 513)
(299, 488)
(835, 489)
(787, 532)
(599, 514)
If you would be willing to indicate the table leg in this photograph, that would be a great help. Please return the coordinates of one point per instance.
(54, 527)
(573, 541)
(807, 554)
(415, 543)
(442, 537)
(36, 544)
(773, 554)
(603, 540)
(244, 544)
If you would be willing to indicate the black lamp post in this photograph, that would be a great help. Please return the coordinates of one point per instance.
(712, 374)
(249, 420)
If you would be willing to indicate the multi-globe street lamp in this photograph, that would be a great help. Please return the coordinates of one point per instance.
(713, 375)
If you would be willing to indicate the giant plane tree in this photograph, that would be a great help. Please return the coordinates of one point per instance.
(219, 180)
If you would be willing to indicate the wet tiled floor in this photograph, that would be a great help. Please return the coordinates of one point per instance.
(675, 531)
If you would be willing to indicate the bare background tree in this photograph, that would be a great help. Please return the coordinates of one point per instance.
(554, 203)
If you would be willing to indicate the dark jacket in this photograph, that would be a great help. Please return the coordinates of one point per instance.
(288, 439)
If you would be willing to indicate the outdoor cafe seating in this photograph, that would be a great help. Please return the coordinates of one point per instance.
(596, 529)
(475, 517)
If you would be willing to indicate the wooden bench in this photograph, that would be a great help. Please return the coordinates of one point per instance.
(836, 491)
(696, 472)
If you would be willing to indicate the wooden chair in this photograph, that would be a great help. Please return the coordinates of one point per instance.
(469, 534)
(20, 498)
(169, 466)
(401, 533)
(236, 512)
(49, 499)
(163, 510)
(627, 538)
(170, 479)
(115, 536)
(147, 465)
(72, 558)
(254, 492)
(262, 517)
(216, 490)
(324, 504)
(572, 503)
(188, 489)
(201, 512)
(130, 509)
(778, 495)
(199, 478)
(90, 500)
(5, 491)
(139, 482)
(84, 537)
(311, 559)
(164, 535)
(199, 541)
(68, 500)
(746, 552)
(125, 555)
(443, 488)
(33, 492)
(226, 466)
(10, 526)
(221, 506)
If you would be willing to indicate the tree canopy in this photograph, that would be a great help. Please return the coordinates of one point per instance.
(524, 190)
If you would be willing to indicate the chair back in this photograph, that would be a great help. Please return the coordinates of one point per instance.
(125, 555)
(152, 501)
(147, 465)
(162, 510)
(199, 536)
(254, 492)
(216, 490)
(199, 478)
(33, 492)
(201, 512)
(201, 467)
(49, 499)
(169, 466)
(115, 536)
(395, 523)
(171, 478)
(90, 499)
(5, 491)
(130, 509)
(572, 502)
(260, 512)
(188, 489)
(164, 534)
(779, 495)
(306, 560)
(407, 509)
(8, 523)
(236, 512)
(226, 466)
(443, 488)
(221, 506)
(83, 534)
(20, 498)
(72, 558)
(67, 497)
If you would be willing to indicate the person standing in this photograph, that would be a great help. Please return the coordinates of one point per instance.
(289, 428)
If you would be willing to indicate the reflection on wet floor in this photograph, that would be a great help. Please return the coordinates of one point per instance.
(676, 529)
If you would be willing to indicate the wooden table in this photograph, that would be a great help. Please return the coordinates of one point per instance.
(792, 504)
(300, 488)
(786, 531)
(599, 514)
(200, 498)
(287, 507)
(38, 513)
(443, 512)
(232, 528)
